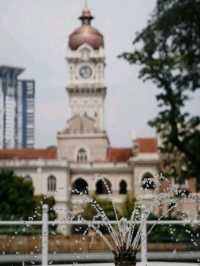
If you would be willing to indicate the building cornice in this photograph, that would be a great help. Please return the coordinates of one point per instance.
(92, 135)
(16, 164)
(145, 158)
(100, 167)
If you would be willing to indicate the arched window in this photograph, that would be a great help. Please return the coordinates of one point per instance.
(51, 183)
(80, 186)
(148, 182)
(103, 187)
(27, 178)
(82, 156)
(123, 187)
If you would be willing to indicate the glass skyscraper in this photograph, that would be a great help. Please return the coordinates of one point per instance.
(17, 109)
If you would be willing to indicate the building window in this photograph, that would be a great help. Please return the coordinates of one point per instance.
(80, 186)
(148, 182)
(123, 187)
(82, 156)
(51, 184)
(103, 187)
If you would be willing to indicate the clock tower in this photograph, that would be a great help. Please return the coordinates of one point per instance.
(85, 134)
(86, 61)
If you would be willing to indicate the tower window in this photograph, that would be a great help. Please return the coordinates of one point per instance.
(51, 184)
(82, 156)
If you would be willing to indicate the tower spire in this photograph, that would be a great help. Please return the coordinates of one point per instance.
(86, 4)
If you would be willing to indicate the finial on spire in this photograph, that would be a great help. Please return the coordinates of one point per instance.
(86, 16)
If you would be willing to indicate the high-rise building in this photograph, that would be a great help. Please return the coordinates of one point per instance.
(17, 109)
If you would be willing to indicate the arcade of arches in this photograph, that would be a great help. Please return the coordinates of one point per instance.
(104, 186)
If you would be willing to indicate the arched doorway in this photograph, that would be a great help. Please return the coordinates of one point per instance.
(80, 186)
(103, 187)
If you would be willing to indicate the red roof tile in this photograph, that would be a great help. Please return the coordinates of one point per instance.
(119, 154)
(147, 145)
(28, 154)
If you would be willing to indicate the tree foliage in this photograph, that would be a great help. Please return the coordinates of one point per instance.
(17, 200)
(168, 53)
(107, 207)
(128, 207)
(90, 210)
(39, 201)
(104, 207)
(16, 196)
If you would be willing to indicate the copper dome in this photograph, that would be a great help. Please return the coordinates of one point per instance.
(86, 33)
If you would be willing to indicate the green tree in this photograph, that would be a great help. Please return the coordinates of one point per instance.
(39, 201)
(128, 207)
(90, 210)
(167, 233)
(16, 196)
(17, 200)
(168, 53)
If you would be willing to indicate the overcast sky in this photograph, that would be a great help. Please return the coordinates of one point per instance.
(34, 35)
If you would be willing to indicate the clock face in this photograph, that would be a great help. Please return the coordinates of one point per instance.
(85, 72)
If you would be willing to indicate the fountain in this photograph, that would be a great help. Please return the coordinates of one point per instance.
(125, 236)
(126, 258)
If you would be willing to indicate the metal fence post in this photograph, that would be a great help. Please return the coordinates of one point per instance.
(45, 233)
(143, 238)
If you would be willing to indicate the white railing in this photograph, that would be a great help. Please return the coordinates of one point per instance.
(45, 232)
